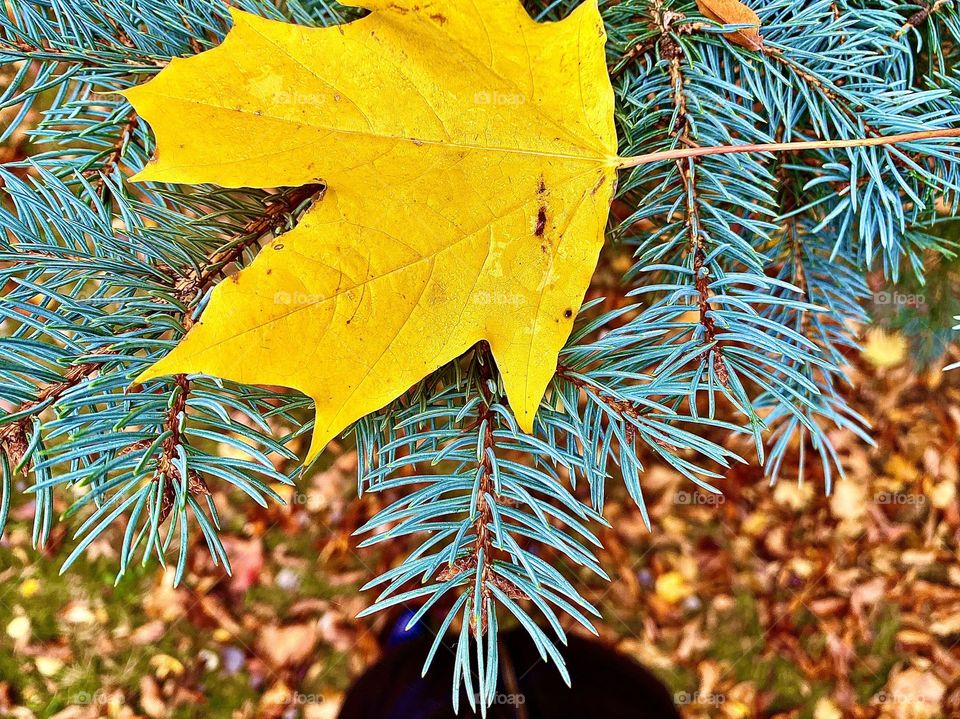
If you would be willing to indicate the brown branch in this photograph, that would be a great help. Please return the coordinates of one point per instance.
(483, 544)
(623, 408)
(666, 25)
(13, 435)
(852, 113)
(688, 177)
(166, 465)
(112, 161)
(54, 54)
(191, 286)
(919, 18)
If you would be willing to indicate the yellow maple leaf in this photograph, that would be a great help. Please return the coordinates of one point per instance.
(470, 158)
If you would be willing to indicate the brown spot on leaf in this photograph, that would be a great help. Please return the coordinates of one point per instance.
(278, 246)
(568, 313)
(541, 221)
(439, 17)
(597, 187)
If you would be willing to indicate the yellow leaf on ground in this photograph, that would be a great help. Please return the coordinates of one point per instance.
(672, 587)
(48, 666)
(19, 628)
(884, 350)
(165, 666)
(734, 12)
(470, 158)
(29, 587)
(826, 709)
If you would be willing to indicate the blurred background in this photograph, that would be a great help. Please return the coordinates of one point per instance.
(771, 601)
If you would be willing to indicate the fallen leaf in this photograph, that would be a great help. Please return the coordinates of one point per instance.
(18, 629)
(470, 157)
(165, 666)
(901, 469)
(148, 633)
(735, 710)
(78, 612)
(151, 700)
(826, 709)
(29, 587)
(884, 350)
(48, 666)
(947, 625)
(849, 500)
(944, 495)
(327, 709)
(734, 12)
(912, 694)
(672, 587)
(246, 562)
(275, 700)
(867, 594)
(793, 495)
(287, 645)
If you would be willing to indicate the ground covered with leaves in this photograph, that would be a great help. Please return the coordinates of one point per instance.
(768, 602)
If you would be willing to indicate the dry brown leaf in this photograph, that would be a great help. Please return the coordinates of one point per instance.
(912, 694)
(151, 700)
(734, 12)
(246, 560)
(287, 645)
(849, 500)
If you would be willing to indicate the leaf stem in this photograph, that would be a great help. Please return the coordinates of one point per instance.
(680, 154)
